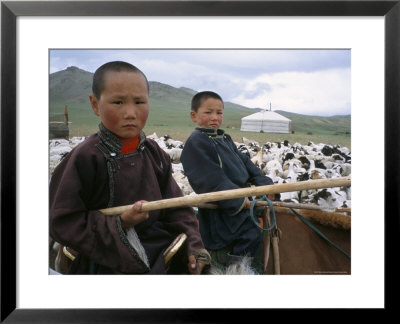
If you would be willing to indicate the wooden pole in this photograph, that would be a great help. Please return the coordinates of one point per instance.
(232, 194)
(275, 252)
(66, 115)
(284, 204)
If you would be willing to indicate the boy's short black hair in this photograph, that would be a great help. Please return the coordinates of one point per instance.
(115, 66)
(199, 98)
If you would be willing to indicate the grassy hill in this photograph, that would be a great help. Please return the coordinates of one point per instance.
(169, 113)
(170, 106)
(319, 125)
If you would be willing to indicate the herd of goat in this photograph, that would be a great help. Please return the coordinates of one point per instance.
(282, 162)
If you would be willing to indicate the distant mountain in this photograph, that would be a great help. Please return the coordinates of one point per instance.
(288, 113)
(169, 107)
(70, 86)
(166, 92)
(332, 124)
(192, 92)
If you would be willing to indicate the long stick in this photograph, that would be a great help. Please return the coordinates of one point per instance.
(283, 204)
(232, 194)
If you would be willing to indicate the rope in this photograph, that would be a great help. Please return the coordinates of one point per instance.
(308, 223)
(254, 218)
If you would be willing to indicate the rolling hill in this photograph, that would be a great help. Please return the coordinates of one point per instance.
(169, 109)
(170, 106)
(339, 124)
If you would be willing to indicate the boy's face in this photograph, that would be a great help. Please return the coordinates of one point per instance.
(123, 105)
(209, 114)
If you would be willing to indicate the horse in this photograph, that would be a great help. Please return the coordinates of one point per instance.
(294, 248)
(291, 247)
(302, 250)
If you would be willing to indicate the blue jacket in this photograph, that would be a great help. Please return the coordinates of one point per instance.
(212, 162)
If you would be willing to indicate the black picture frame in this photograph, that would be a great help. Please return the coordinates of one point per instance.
(10, 10)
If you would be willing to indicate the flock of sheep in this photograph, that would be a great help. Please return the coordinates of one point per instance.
(282, 162)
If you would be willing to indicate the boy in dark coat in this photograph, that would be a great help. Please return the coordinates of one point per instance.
(212, 162)
(119, 166)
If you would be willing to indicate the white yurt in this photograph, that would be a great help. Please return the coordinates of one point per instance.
(266, 121)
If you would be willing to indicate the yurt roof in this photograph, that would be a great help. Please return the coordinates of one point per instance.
(266, 115)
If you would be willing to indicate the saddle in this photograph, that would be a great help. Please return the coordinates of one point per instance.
(64, 259)
(66, 255)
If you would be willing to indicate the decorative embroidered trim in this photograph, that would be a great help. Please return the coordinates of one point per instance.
(212, 135)
(134, 241)
(220, 161)
(131, 237)
(112, 166)
(110, 146)
(212, 131)
(111, 141)
(140, 148)
(215, 134)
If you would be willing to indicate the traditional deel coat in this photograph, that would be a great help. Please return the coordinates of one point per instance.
(212, 163)
(94, 176)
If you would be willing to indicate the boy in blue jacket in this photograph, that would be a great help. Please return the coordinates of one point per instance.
(212, 163)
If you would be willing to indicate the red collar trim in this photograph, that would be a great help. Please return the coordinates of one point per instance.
(129, 145)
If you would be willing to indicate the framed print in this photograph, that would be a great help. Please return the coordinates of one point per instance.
(190, 24)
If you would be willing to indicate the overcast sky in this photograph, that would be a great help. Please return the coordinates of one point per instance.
(312, 82)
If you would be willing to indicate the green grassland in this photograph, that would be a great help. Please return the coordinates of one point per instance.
(178, 125)
(169, 114)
